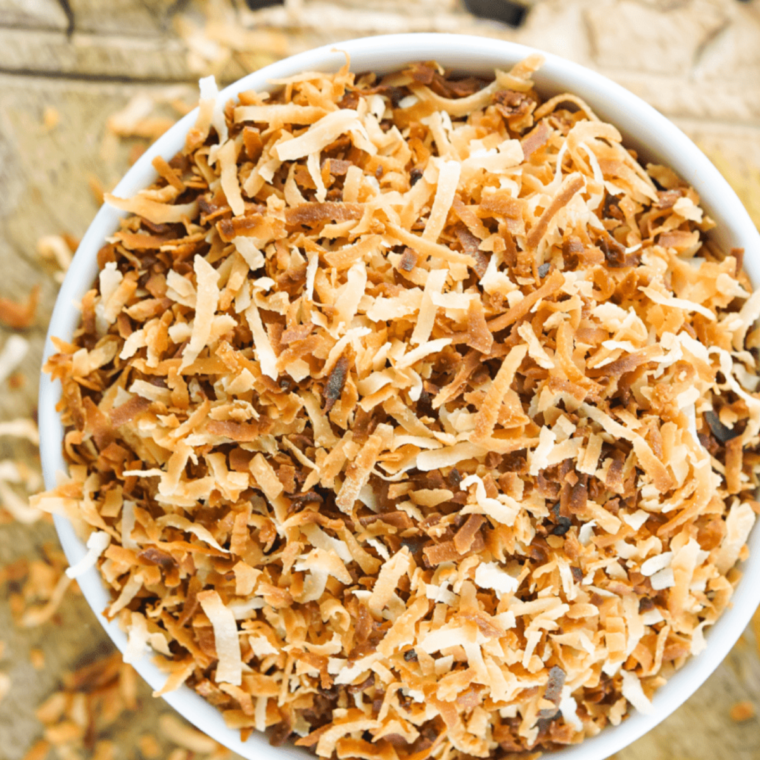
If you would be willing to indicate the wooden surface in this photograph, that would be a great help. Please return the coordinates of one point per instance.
(696, 60)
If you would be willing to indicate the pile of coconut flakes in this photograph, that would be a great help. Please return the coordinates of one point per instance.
(410, 416)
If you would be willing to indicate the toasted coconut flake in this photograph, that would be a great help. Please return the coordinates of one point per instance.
(21, 428)
(535, 350)
(248, 250)
(39, 615)
(97, 543)
(570, 186)
(227, 155)
(359, 472)
(419, 353)
(12, 354)
(448, 177)
(633, 692)
(55, 248)
(206, 304)
(649, 461)
(229, 669)
(325, 131)
(182, 523)
(276, 115)
(479, 336)
(554, 282)
(351, 294)
(677, 303)
(180, 673)
(539, 457)
(128, 522)
(266, 355)
(387, 581)
(19, 316)
(502, 510)
(266, 478)
(742, 711)
(154, 211)
(456, 106)
(18, 507)
(490, 575)
(185, 736)
(741, 518)
(427, 310)
(5, 685)
(199, 131)
(428, 248)
(128, 592)
(448, 456)
(486, 419)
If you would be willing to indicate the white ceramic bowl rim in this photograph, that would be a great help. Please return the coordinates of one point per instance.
(643, 128)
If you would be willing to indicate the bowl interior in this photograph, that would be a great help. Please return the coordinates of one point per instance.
(643, 128)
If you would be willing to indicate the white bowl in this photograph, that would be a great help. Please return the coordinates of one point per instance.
(643, 128)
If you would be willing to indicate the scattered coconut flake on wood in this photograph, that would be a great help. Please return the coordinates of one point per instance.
(11, 355)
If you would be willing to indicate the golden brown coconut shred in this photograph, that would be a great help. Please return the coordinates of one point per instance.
(416, 419)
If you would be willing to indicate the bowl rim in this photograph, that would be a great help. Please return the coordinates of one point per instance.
(642, 126)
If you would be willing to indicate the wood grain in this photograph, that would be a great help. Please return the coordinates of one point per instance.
(33, 14)
(95, 56)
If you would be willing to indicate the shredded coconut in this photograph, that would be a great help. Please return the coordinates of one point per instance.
(409, 404)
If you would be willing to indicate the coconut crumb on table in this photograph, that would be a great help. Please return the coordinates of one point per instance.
(743, 711)
(87, 707)
(5, 685)
(19, 316)
(412, 416)
(35, 588)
